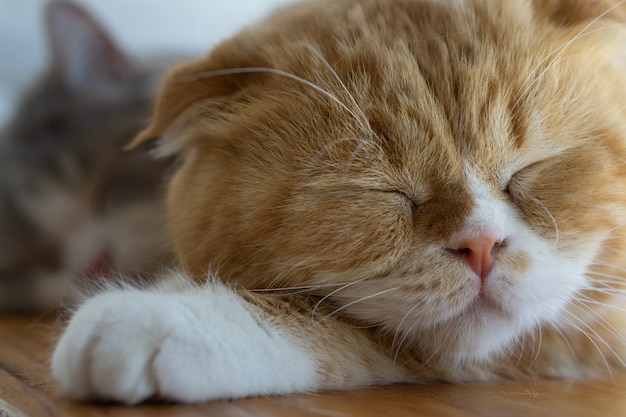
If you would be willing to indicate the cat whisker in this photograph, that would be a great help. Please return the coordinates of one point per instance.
(327, 296)
(517, 349)
(605, 235)
(615, 277)
(600, 305)
(594, 337)
(425, 362)
(398, 330)
(319, 56)
(606, 278)
(528, 341)
(408, 332)
(591, 340)
(422, 350)
(608, 291)
(559, 51)
(295, 287)
(255, 70)
(286, 269)
(296, 290)
(621, 297)
(548, 212)
(536, 346)
(620, 159)
(361, 144)
(565, 339)
(353, 156)
(601, 321)
(359, 300)
(602, 283)
(619, 226)
(600, 262)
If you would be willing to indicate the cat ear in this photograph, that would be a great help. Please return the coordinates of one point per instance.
(193, 82)
(573, 12)
(84, 54)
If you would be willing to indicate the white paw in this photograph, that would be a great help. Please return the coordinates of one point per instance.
(189, 346)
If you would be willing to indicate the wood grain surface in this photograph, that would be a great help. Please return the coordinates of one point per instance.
(26, 389)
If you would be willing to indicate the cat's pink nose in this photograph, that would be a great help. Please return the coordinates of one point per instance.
(479, 252)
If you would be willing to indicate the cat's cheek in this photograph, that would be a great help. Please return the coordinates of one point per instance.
(193, 346)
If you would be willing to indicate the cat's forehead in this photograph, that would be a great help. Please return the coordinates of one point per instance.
(445, 79)
(440, 82)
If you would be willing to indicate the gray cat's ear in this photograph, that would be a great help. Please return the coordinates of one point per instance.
(84, 54)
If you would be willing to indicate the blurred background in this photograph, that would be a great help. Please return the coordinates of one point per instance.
(142, 27)
(76, 211)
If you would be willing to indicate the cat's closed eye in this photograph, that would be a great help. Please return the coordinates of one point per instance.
(516, 182)
(411, 203)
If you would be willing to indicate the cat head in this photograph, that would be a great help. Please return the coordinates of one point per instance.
(449, 171)
(64, 174)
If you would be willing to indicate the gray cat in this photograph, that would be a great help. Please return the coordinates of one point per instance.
(73, 206)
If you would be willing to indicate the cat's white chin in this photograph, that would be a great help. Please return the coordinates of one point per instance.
(501, 315)
(483, 331)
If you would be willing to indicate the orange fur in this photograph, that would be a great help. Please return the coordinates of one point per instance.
(283, 186)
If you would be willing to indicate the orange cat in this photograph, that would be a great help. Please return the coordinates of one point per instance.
(390, 191)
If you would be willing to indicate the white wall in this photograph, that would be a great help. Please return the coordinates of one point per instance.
(142, 27)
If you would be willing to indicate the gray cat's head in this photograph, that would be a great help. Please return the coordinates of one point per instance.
(68, 190)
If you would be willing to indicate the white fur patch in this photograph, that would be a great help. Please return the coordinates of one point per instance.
(193, 345)
(461, 321)
(537, 297)
(489, 214)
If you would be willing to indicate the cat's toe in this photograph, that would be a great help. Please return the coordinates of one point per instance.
(109, 346)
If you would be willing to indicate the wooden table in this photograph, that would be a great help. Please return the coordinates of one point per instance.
(27, 390)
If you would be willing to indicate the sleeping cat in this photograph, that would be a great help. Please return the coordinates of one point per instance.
(72, 203)
(381, 191)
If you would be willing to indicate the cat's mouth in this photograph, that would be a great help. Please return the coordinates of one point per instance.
(100, 266)
(486, 304)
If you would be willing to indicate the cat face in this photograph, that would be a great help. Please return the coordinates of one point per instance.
(67, 189)
(64, 172)
(448, 171)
